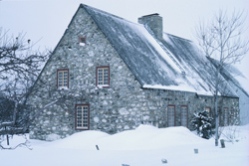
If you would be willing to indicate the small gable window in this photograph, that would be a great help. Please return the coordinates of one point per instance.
(63, 78)
(82, 117)
(103, 76)
(82, 40)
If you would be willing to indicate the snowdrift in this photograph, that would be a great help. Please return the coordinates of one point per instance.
(144, 146)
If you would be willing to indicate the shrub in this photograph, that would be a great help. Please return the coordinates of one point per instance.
(203, 124)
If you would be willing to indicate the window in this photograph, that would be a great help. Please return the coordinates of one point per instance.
(63, 78)
(184, 116)
(82, 40)
(223, 116)
(220, 116)
(103, 76)
(226, 116)
(171, 115)
(208, 110)
(82, 117)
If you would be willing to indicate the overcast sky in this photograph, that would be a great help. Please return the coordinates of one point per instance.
(46, 20)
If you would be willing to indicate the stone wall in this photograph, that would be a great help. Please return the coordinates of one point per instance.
(122, 106)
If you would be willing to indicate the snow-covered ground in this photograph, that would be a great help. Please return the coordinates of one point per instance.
(144, 146)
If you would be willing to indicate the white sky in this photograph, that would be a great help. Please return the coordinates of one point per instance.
(46, 20)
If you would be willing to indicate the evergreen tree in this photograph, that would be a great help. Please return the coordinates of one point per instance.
(203, 123)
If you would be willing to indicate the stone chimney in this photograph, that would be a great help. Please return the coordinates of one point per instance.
(154, 24)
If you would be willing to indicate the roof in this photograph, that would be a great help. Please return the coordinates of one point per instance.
(172, 63)
(230, 73)
(151, 61)
(138, 49)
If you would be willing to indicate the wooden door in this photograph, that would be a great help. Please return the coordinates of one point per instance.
(171, 115)
(184, 116)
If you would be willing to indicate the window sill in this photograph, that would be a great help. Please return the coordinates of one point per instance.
(82, 128)
(63, 88)
(103, 86)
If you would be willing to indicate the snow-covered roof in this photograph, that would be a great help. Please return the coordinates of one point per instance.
(233, 77)
(139, 50)
(172, 63)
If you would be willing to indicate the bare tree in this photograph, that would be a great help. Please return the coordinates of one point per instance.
(222, 40)
(19, 68)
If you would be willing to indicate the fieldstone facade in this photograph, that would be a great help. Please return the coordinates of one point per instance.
(123, 105)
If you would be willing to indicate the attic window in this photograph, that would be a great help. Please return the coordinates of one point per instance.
(82, 40)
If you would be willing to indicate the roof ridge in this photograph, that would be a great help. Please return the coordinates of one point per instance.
(181, 38)
(113, 15)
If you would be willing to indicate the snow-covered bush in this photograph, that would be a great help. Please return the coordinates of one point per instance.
(203, 124)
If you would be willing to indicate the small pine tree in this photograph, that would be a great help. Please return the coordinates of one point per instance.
(203, 124)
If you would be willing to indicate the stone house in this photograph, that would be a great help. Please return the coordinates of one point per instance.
(110, 74)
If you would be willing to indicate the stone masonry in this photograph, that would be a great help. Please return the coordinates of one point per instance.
(122, 106)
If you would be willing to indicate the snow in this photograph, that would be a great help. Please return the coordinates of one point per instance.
(82, 44)
(141, 29)
(102, 86)
(137, 48)
(180, 87)
(243, 79)
(50, 28)
(144, 146)
(160, 66)
(52, 137)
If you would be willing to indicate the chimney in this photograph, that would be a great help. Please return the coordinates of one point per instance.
(154, 24)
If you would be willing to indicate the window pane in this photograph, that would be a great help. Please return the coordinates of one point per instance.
(100, 76)
(60, 78)
(85, 117)
(79, 117)
(65, 79)
(106, 76)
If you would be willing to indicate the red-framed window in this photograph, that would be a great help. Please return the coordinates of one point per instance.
(171, 115)
(103, 76)
(223, 116)
(184, 115)
(82, 115)
(233, 116)
(63, 78)
(220, 114)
